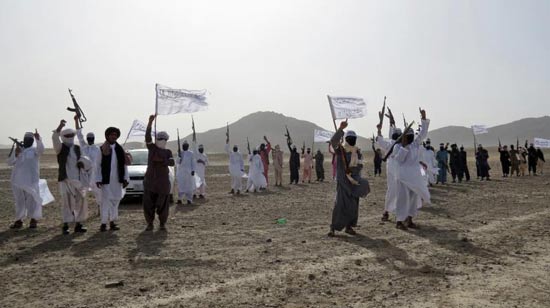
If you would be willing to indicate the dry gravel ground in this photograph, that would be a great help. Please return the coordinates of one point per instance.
(481, 244)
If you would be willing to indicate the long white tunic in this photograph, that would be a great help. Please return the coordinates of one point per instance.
(25, 177)
(428, 158)
(73, 192)
(256, 178)
(236, 162)
(93, 152)
(186, 182)
(391, 166)
(113, 190)
(411, 187)
(201, 166)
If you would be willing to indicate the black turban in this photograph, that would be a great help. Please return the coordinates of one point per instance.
(111, 130)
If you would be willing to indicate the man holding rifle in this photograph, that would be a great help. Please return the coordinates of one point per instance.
(412, 190)
(73, 166)
(24, 180)
(236, 166)
(386, 145)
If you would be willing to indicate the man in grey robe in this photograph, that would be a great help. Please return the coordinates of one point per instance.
(349, 184)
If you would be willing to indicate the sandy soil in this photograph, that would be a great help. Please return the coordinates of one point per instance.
(481, 244)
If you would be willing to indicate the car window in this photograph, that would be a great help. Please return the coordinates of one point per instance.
(139, 157)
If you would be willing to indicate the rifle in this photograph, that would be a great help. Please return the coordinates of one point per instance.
(77, 110)
(499, 144)
(287, 135)
(179, 145)
(381, 114)
(303, 147)
(193, 127)
(475, 144)
(15, 142)
(248, 146)
(404, 122)
(390, 116)
(397, 141)
(517, 143)
(227, 131)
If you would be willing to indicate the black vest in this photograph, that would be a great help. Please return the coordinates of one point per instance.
(106, 165)
(62, 160)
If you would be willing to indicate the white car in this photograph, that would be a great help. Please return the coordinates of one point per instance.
(136, 173)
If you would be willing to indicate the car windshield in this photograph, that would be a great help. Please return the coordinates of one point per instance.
(139, 157)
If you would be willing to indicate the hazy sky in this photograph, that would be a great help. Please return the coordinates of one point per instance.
(466, 62)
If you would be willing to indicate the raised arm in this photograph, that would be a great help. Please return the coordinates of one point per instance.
(335, 140)
(424, 128)
(55, 136)
(148, 138)
(39, 143)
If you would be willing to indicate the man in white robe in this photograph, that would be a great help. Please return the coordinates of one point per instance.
(186, 174)
(411, 190)
(112, 178)
(256, 179)
(386, 145)
(201, 162)
(93, 152)
(72, 167)
(428, 163)
(25, 176)
(236, 167)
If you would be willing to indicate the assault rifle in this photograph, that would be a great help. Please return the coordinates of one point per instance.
(193, 127)
(287, 135)
(381, 114)
(76, 109)
(15, 142)
(179, 145)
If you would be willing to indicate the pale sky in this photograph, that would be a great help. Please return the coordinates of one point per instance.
(465, 62)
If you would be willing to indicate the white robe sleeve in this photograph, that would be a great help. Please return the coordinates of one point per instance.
(39, 147)
(56, 142)
(423, 132)
(80, 138)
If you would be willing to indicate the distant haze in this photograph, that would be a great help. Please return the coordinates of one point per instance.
(465, 62)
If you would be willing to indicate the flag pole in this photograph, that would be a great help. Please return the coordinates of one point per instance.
(128, 136)
(156, 108)
(344, 159)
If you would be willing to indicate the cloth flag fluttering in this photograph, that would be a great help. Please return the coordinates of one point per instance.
(479, 129)
(138, 129)
(541, 143)
(172, 101)
(347, 107)
(322, 135)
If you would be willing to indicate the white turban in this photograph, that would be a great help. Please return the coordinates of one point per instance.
(350, 133)
(90, 135)
(68, 131)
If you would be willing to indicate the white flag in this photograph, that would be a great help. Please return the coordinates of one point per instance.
(322, 135)
(138, 129)
(479, 129)
(172, 101)
(45, 193)
(541, 143)
(347, 107)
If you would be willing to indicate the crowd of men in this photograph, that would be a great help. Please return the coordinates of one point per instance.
(412, 165)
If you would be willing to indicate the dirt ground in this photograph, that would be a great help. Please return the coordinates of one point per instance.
(481, 244)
